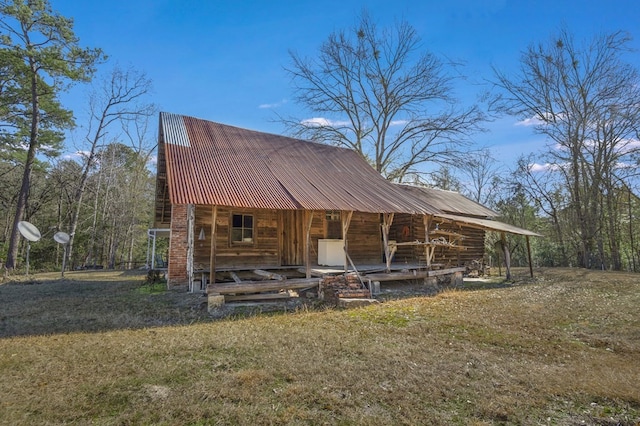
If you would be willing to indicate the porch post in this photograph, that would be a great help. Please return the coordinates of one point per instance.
(346, 221)
(428, 250)
(212, 256)
(507, 255)
(387, 220)
(190, 242)
(529, 256)
(153, 251)
(307, 255)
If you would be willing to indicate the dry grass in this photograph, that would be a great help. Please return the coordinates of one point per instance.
(562, 350)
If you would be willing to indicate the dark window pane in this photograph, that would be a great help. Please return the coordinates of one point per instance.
(236, 234)
(237, 221)
(248, 221)
(248, 233)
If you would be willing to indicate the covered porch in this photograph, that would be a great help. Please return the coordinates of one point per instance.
(289, 254)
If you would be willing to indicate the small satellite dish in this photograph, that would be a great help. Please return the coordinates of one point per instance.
(29, 231)
(61, 237)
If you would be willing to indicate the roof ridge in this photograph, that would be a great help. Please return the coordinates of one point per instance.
(171, 114)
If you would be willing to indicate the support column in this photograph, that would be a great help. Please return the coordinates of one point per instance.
(387, 220)
(212, 256)
(507, 255)
(346, 221)
(529, 256)
(428, 250)
(191, 216)
(307, 248)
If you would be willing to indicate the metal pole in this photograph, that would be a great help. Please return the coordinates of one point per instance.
(64, 260)
(28, 250)
(529, 256)
(153, 252)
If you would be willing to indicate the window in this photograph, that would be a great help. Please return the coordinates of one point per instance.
(333, 224)
(242, 228)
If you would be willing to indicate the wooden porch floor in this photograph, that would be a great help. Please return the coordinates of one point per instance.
(261, 282)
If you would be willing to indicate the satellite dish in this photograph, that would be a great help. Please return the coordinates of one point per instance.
(29, 231)
(61, 237)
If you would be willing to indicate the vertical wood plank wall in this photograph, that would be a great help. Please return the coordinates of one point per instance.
(279, 238)
(407, 228)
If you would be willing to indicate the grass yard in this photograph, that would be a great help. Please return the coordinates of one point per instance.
(104, 348)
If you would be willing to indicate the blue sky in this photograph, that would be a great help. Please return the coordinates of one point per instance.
(223, 60)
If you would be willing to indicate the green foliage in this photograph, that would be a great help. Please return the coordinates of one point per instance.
(584, 98)
(41, 57)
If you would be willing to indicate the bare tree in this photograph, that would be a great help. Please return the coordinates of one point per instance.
(584, 98)
(482, 172)
(377, 92)
(119, 99)
(545, 188)
(41, 55)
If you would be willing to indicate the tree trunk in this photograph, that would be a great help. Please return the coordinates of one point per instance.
(28, 166)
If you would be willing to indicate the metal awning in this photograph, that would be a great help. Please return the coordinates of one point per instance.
(488, 224)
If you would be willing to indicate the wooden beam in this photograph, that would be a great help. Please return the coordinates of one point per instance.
(397, 276)
(190, 243)
(212, 256)
(311, 272)
(428, 251)
(261, 286)
(387, 220)
(354, 267)
(507, 255)
(270, 275)
(262, 296)
(307, 249)
(235, 277)
(346, 216)
(529, 256)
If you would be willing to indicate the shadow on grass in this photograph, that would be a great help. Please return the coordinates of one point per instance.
(99, 301)
(416, 288)
(93, 301)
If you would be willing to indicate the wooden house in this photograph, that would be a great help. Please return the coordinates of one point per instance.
(236, 200)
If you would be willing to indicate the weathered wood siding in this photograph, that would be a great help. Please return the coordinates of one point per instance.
(178, 244)
(407, 228)
(364, 238)
(279, 238)
(264, 251)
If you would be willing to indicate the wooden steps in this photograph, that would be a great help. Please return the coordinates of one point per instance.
(248, 287)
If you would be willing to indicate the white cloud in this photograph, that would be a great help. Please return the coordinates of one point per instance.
(528, 122)
(546, 167)
(274, 105)
(76, 156)
(535, 121)
(323, 122)
(629, 145)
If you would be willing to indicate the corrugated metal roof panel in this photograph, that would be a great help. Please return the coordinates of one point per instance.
(449, 201)
(226, 165)
(174, 129)
(492, 225)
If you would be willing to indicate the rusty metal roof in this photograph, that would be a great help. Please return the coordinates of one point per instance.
(215, 164)
(491, 225)
(449, 201)
(456, 207)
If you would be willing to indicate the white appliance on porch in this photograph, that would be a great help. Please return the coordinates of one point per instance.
(331, 252)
